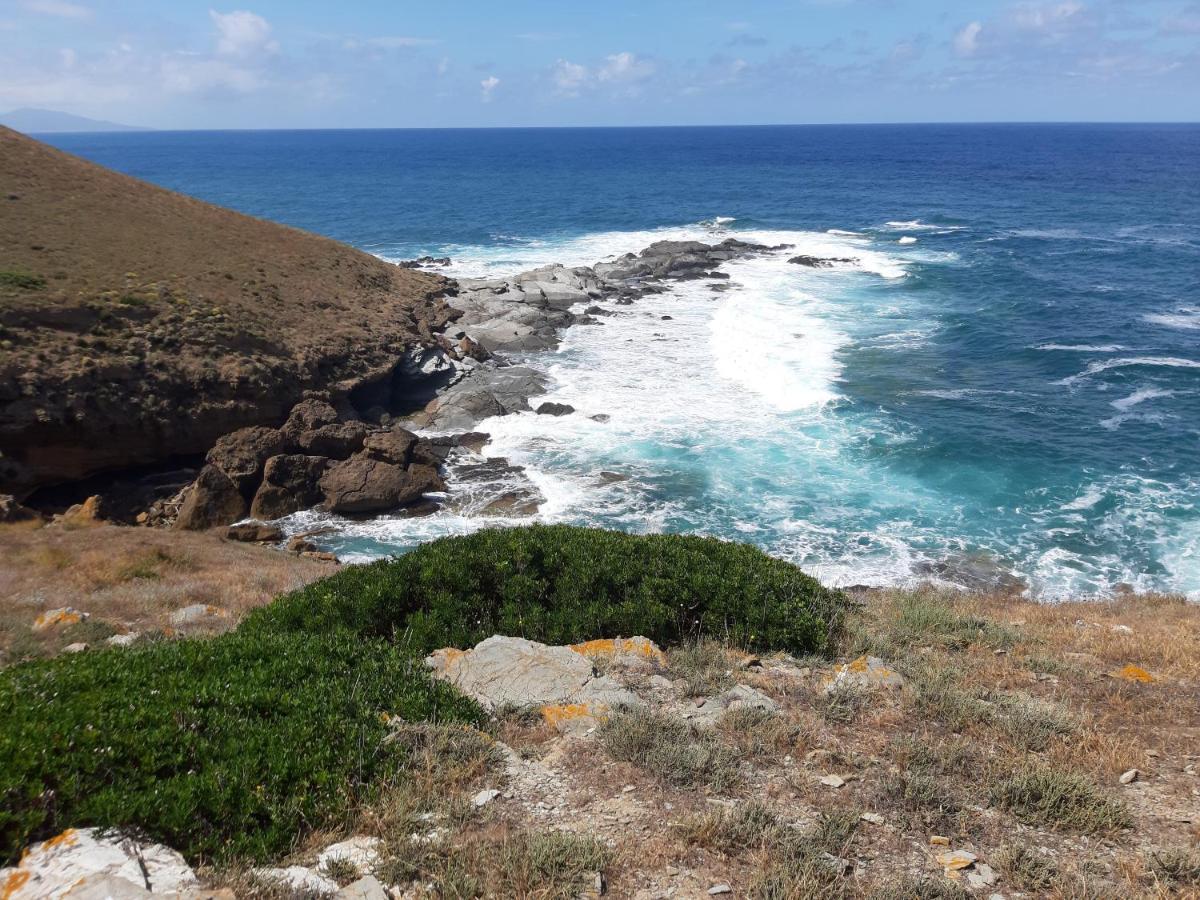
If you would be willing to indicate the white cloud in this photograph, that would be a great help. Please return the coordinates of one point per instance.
(58, 8)
(625, 67)
(488, 85)
(186, 74)
(569, 77)
(242, 33)
(1038, 17)
(966, 41)
(399, 41)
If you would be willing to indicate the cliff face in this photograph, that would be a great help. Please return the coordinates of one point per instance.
(137, 324)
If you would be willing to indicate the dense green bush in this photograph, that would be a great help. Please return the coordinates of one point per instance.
(224, 747)
(562, 584)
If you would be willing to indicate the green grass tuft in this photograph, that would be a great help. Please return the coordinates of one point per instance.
(22, 280)
(667, 748)
(1049, 798)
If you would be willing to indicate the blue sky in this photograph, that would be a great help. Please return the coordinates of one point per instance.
(301, 63)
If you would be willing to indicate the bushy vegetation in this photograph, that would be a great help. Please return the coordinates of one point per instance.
(21, 280)
(1046, 797)
(224, 747)
(562, 584)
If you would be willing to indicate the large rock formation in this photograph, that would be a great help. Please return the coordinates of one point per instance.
(137, 324)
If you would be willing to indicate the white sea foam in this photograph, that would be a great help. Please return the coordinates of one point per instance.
(1082, 348)
(1186, 318)
(1141, 396)
(918, 225)
(1099, 366)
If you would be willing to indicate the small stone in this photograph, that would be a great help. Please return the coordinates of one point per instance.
(199, 615)
(873, 818)
(361, 851)
(1130, 777)
(833, 781)
(77, 647)
(956, 860)
(484, 797)
(1153, 754)
(1122, 629)
(366, 888)
(720, 889)
(628, 789)
(54, 618)
(122, 640)
(938, 840)
(867, 672)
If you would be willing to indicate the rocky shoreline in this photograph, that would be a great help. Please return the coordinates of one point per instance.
(352, 455)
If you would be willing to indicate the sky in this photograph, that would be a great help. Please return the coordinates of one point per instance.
(392, 63)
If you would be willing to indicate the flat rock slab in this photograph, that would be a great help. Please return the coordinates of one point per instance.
(866, 672)
(56, 867)
(510, 671)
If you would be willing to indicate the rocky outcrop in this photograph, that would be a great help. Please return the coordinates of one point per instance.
(88, 863)
(290, 483)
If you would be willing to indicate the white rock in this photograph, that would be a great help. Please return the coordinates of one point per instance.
(873, 818)
(106, 887)
(833, 781)
(982, 876)
(360, 851)
(122, 640)
(53, 867)
(77, 647)
(1130, 777)
(198, 614)
(720, 889)
(367, 888)
(866, 672)
(1122, 629)
(484, 797)
(299, 879)
(502, 671)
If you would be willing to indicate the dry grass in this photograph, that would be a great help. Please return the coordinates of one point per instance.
(129, 579)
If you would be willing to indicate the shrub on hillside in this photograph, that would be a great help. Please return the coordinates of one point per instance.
(562, 584)
(225, 747)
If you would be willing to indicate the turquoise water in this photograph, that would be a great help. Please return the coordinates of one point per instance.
(1012, 368)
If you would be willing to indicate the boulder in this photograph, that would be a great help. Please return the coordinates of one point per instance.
(555, 409)
(89, 512)
(300, 544)
(12, 511)
(212, 500)
(86, 861)
(819, 262)
(242, 454)
(363, 484)
(366, 888)
(253, 532)
(334, 441)
(291, 482)
(392, 446)
(309, 415)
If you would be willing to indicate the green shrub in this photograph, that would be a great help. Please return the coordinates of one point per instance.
(219, 748)
(1045, 797)
(562, 584)
(675, 751)
(21, 280)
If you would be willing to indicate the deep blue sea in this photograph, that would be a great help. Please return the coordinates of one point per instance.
(1009, 372)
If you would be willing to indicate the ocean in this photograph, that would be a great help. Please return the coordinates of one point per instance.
(1007, 378)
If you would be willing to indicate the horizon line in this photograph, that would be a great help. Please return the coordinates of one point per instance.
(924, 124)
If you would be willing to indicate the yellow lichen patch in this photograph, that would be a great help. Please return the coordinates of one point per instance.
(13, 883)
(441, 660)
(1134, 673)
(857, 665)
(636, 646)
(56, 617)
(556, 714)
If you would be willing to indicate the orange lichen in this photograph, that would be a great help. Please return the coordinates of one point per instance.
(554, 714)
(612, 646)
(57, 617)
(1134, 673)
(13, 883)
(65, 839)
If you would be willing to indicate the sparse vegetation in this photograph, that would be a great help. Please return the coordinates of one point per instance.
(670, 749)
(1026, 868)
(706, 666)
(1056, 799)
(1176, 867)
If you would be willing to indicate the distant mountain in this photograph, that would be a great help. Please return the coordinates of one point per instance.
(46, 121)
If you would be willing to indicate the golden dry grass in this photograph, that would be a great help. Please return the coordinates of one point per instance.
(130, 579)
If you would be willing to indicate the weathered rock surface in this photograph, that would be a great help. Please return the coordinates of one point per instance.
(362, 852)
(363, 484)
(106, 865)
(212, 500)
(299, 880)
(262, 532)
(290, 484)
(484, 393)
(863, 673)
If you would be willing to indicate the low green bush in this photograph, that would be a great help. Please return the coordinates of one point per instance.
(21, 280)
(219, 748)
(562, 584)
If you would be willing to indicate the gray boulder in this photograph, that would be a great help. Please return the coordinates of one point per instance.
(363, 484)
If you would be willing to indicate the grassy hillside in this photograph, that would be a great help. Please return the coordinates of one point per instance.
(137, 323)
